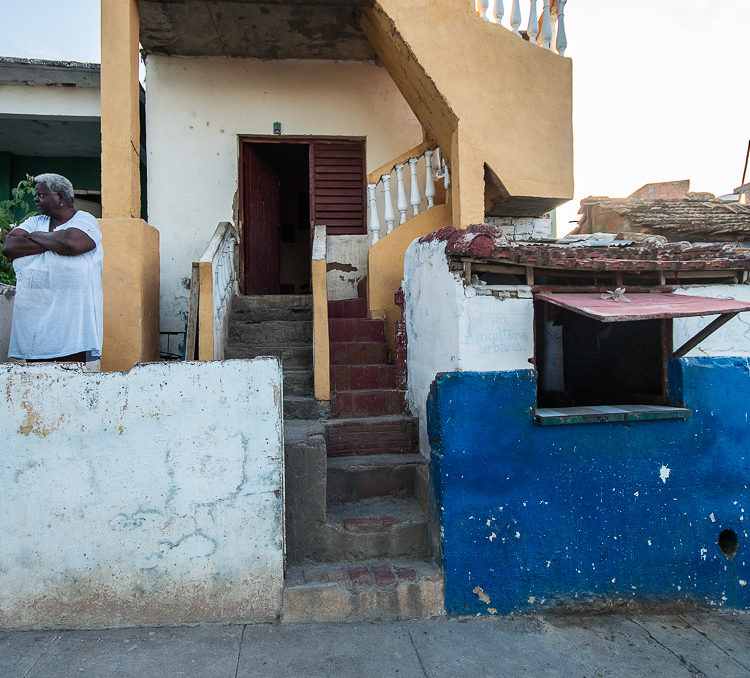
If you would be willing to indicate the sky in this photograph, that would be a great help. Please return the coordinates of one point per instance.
(660, 87)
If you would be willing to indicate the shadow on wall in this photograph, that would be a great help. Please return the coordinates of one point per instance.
(537, 517)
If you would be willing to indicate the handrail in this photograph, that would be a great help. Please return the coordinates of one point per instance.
(374, 176)
(217, 284)
(321, 346)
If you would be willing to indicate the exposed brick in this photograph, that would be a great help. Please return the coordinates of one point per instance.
(360, 576)
(383, 575)
(406, 573)
(315, 575)
(389, 521)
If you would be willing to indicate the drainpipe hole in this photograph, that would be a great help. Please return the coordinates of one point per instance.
(728, 543)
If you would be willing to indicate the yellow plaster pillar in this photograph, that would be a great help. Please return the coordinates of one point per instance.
(131, 247)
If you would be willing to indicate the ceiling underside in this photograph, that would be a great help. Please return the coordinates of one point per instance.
(50, 137)
(302, 29)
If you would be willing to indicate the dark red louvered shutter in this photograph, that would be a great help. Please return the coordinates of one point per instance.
(337, 181)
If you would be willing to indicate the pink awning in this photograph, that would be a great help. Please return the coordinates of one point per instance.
(642, 306)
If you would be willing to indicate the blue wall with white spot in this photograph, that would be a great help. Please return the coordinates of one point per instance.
(537, 517)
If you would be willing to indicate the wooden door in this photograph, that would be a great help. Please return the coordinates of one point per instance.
(337, 185)
(262, 225)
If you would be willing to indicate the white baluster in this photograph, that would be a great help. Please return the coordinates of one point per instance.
(374, 219)
(498, 11)
(515, 16)
(546, 26)
(533, 23)
(416, 198)
(401, 199)
(446, 177)
(388, 214)
(429, 182)
(483, 7)
(562, 38)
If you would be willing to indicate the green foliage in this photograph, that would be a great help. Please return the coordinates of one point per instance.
(12, 212)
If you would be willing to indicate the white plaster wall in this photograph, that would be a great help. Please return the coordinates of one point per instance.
(7, 294)
(43, 101)
(347, 264)
(733, 339)
(195, 110)
(146, 497)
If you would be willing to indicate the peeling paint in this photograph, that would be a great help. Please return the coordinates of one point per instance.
(664, 472)
(481, 595)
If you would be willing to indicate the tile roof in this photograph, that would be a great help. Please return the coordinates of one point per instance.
(489, 243)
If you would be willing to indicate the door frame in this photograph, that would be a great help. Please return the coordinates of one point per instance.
(307, 139)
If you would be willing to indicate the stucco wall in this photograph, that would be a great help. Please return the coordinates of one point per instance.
(147, 497)
(7, 293)
(42, 100)
(195, 110)
(539, 517)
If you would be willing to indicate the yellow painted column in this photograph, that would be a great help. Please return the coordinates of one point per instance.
(120, 120)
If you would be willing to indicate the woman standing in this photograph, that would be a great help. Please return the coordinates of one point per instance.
(57, 257)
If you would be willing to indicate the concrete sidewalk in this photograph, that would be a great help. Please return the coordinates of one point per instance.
(676, 645)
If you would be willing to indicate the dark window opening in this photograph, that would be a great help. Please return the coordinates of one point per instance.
(583, 362)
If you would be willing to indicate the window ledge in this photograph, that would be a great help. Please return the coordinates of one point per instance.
(602, 414)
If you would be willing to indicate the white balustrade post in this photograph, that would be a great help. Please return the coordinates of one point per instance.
(546, 26)
(429, 182)
(498, 11)
(374, 219)
(483, 7)
(515, 16)
(416, 198)
(562, 38)
(401, 203)
(446, 177)
(533, 23)
(388, 214)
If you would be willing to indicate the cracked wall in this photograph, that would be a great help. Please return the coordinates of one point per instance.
(147, 497)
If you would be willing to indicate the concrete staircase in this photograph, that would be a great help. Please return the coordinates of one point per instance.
(356, 489)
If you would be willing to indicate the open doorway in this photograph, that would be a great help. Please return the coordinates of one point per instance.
(287, 185)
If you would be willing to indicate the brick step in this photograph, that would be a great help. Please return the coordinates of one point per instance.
(257, 315)
(305, 407)
(363, 591)
(348, 308)
(355, 329)
(358, 352)
(265, 301)
(381, 527)
(367, 403)
(394, 434)
(354, 377)
(298, 382)
(292, 355)
(362, 477)
(270, 332)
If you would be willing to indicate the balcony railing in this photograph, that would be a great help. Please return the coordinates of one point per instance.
(540, 28)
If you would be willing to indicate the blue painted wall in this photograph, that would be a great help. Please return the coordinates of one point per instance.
(540, 517)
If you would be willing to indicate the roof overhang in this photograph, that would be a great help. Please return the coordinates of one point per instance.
(281, 29)
(649, 306)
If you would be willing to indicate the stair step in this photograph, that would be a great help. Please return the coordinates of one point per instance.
(368, 403)
(256, 315)
(305, 407)
(392, 434)
(253, 301)
(348, 308)
(356, 329)
(360, 477)
(298, 382)
(292, 355)
(358, 352)
(380, 590)
(354, 377)
(270, 332)
(381, 527)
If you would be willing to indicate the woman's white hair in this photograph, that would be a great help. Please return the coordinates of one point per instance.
(57, 183)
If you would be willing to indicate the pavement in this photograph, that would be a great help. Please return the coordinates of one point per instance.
(693, 645)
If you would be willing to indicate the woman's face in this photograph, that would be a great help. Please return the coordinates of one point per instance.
(46, 202)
